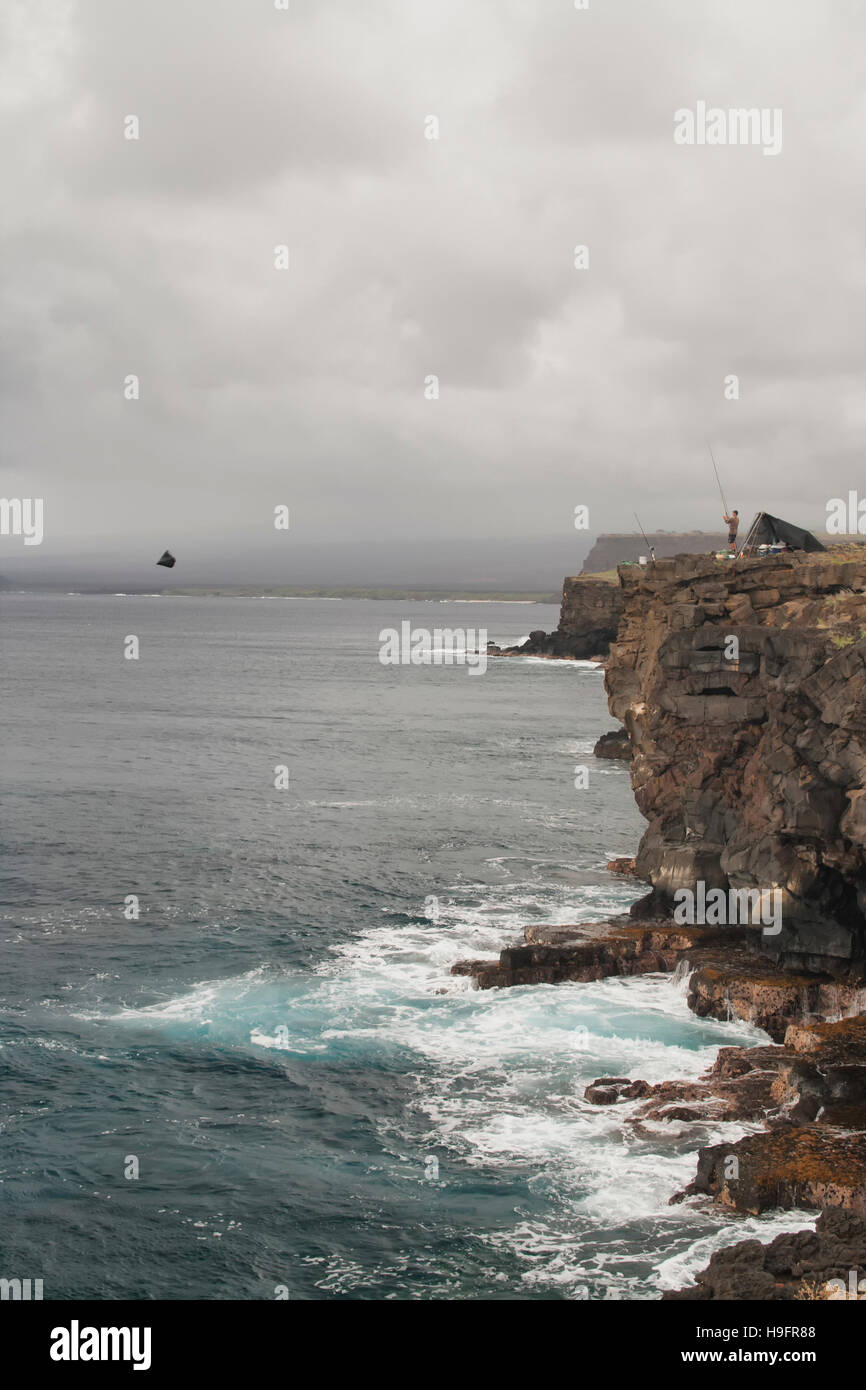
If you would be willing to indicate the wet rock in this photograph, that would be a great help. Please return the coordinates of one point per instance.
(817, 1075)
(736, 984)
(591, 951)
(739, 1086)
(622, 865)
(616, 744)
(796, 1265)
(810, 1166)
(606, 1090)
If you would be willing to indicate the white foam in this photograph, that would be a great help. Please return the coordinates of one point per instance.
(559, 661)
(679, 1270)
(501, 1077)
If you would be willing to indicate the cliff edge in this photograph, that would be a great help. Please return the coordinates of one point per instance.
(612, 548)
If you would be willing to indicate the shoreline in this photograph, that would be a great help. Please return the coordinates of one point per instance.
(740, 694)
(806, 1087)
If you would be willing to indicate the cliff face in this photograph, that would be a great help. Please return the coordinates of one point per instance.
(751, 767)
(590, 613)
(742, 686)
(614, 548)
(588, 622)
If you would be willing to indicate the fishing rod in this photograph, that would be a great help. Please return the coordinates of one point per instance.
(646, 538)
(718, 479)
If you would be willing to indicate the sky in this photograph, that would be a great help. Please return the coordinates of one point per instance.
(411, 257)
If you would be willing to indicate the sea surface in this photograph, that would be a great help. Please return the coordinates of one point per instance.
(267, 1084)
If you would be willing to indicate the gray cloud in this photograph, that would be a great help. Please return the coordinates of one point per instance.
(411, 257)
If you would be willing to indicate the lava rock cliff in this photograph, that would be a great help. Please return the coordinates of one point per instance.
(742, 686)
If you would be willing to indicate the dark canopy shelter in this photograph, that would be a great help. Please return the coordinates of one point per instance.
(167, 559)
(772, 530)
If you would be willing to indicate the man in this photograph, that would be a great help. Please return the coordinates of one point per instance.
(733, 522)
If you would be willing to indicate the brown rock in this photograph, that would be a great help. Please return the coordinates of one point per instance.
(616, 744)
(750, 764)
(591, 951)
(622, 866)
(811, 1166)
(588, 621)
(797, 1265)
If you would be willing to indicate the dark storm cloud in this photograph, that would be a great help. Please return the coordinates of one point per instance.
(412, 257)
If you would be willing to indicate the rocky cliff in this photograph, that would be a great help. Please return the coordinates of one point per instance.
(590, 614)
(588, 622)
(742, 685)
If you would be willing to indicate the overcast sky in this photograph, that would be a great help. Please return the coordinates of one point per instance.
(411, 257)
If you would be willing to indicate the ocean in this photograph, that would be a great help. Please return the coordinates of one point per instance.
(266, 1084)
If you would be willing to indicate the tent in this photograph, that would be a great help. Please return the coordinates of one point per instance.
(772, 530)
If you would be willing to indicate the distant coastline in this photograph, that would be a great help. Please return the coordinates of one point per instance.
(257, 591)
(430, 595)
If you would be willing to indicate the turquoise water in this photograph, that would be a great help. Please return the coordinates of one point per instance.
(311, 1102)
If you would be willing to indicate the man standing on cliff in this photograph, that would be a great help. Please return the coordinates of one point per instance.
(733, 527)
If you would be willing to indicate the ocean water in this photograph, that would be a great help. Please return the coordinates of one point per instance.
(269, 1084)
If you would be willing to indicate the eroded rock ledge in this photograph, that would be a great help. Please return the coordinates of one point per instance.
(616, 744)
(726, 979)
